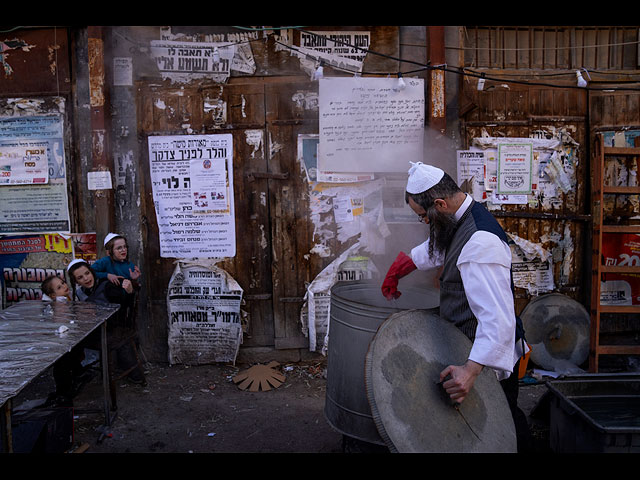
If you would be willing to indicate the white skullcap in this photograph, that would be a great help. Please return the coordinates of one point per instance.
(422, 177)
(73, 262)
(110, 236)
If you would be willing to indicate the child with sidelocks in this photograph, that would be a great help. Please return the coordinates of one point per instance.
(115, 266)
(89, 288)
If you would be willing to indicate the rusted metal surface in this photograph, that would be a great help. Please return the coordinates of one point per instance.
(25, 51)
(437, 99)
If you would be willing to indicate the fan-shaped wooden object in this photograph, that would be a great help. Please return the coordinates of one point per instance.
(259, 377)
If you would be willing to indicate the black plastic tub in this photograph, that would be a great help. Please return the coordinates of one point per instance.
(595, 413)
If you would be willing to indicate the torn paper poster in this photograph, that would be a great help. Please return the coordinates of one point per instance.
(344, 177)
(344, 51)
(242, 62)
(351, 45)
(531, 266)
(356, 210)
(123, 71)
(502, 199)
(184, 61)
(625, 139)
(346, 208)
(308, 158)
(6, 46)
(26, 260)
(489, 145)
(203, 303)
(471, 170)
(553, 168)
(314, 314)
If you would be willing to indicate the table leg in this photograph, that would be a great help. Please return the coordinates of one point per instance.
(7, 438)
(105, 376)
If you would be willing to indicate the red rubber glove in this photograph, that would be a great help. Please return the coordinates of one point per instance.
(401, 266)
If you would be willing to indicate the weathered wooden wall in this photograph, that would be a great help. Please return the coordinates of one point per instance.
(521, 111)
(548, 57)
(265, 112)
(268, 109)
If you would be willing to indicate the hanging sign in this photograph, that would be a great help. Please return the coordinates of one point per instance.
(370, 124)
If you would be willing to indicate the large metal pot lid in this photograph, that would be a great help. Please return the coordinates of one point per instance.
(557, 328)
(411, 411)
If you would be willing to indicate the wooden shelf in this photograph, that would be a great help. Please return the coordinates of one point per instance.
(599, 190)
(619, 308)
(621, 190)
(620, 228)
(613, 151)
(619, 349)
(619, 269)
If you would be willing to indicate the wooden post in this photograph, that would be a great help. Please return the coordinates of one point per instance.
(437, 101)
(100, 128)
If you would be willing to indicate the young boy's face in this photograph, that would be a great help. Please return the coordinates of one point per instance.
(84, 277)
(59, 287)
(119, 249)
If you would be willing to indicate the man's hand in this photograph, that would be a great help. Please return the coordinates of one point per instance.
(462, 379)
(401, 266)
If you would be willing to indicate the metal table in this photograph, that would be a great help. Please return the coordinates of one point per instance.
(34, 335)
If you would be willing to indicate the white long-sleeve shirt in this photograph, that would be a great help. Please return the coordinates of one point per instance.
(485, 268)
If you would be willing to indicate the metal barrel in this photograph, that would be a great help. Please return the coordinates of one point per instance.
(357, 310)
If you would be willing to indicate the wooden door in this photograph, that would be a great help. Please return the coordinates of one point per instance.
(273, 229)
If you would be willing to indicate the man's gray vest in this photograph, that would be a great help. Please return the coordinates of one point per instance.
(454, 306)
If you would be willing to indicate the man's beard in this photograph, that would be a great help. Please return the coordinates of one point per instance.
(442, 226)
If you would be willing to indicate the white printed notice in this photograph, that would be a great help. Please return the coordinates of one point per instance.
(192, 181)
(471, 169)
(203, 303)
(515, 161)
(39, 202)
(369, 124)
(182, 61)
(24, 162)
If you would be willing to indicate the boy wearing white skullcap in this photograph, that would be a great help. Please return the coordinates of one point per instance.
(116, 266)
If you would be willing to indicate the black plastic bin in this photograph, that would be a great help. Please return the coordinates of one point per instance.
(595, 413)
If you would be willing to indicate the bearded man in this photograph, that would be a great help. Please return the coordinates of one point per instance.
(476, 292)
